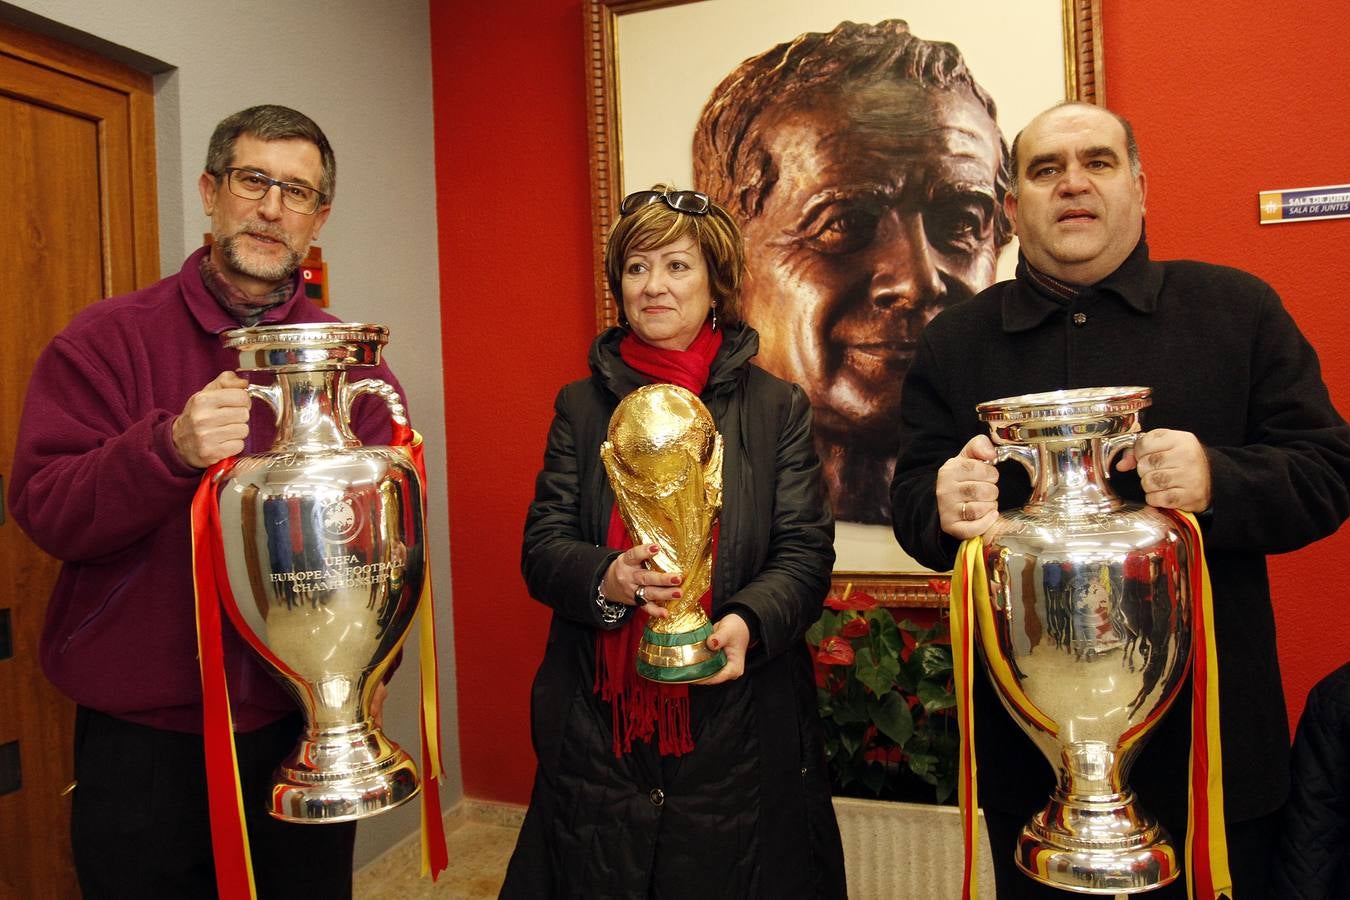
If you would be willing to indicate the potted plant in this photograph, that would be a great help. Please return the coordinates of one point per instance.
(886, 698)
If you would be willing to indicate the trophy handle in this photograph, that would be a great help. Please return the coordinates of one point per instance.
(269, 392)
(352, 390)
(1112, 447)
(1021, 453)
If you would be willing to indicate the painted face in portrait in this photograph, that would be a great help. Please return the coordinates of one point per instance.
(882, 214)
(260, 243)
(1079, 209)
(667, 293)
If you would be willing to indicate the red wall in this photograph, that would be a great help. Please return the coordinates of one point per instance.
(1227, 99)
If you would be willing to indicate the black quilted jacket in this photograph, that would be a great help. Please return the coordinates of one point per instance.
(747, 814)
(1315, 847)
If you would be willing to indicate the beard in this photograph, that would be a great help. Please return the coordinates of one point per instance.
(244, 262)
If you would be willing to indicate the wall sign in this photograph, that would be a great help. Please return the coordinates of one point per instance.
(1303, 204)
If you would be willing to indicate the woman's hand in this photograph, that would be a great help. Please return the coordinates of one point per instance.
(628, 573)
(732, 635)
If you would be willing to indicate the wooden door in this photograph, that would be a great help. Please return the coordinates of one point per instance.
(77, 153)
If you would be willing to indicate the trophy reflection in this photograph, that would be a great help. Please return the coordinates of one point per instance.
(664, 460)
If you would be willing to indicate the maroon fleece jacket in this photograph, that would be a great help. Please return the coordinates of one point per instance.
(98, 484)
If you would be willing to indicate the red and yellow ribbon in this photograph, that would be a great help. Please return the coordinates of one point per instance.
(434, 855)
(1206, 840)
(967, 581)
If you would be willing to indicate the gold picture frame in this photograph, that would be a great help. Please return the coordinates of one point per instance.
(605, 21)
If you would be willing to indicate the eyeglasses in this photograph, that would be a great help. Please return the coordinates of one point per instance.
(681, 201)
(251, 185)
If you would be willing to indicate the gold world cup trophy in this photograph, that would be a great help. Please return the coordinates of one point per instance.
(664, 459)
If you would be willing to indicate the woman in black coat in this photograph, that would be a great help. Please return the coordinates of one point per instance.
(1315, 843)
(718, 789)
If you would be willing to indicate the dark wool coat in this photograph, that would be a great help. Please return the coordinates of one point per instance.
(1225, 362)
(747, 813)
(1315, 846)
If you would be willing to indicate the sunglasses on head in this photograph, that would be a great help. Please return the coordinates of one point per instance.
(681, 201)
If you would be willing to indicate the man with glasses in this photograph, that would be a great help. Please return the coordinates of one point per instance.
(126, 408)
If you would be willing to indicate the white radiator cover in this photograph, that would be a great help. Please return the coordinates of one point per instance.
(907, 851)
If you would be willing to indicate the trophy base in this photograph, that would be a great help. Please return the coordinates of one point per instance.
(341, 776)
(1096, 847)
(678, 658)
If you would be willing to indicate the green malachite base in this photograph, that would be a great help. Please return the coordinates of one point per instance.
(701, 665)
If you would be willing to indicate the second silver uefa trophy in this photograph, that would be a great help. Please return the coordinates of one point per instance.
(1087, 633)
(323, 549)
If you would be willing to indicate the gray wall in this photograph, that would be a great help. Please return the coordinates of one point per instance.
(362, 70)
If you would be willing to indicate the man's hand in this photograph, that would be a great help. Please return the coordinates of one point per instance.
(1173, 470)
(967, 490)
(214, 422)
(732, 635)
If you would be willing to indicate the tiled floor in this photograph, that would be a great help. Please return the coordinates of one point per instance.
(479, 837)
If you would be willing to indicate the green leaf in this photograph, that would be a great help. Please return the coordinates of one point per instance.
(935, 697)
(892, 717)
(816, 633)
(851, 708)
(935, 661)
(925, 765)
(945, 787)
(851, 740)
(874, 776)
(877, 674)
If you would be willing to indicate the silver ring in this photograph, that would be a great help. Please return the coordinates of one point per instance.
(640, 595)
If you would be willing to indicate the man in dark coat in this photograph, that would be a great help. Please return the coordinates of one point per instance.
(1243, 434)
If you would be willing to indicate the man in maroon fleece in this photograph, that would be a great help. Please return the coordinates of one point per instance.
(125, 409)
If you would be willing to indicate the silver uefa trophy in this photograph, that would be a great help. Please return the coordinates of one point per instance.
(323, 549)
(1087, 636)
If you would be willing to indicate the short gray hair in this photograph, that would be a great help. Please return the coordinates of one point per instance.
(271, 123)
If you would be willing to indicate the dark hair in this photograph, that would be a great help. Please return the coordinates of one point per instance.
(1131, 145)
(731, 161)
(271, 123)
(656, 224)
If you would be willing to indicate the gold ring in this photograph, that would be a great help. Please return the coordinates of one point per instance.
(963, 511)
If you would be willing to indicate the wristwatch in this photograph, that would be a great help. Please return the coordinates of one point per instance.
(610, 612)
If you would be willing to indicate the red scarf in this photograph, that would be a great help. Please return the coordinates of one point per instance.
(639, 707)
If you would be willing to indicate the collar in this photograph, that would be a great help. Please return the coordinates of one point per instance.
(740, 342)
(1137, 283)
(210, 315)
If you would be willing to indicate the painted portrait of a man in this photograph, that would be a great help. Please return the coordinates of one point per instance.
(867, 171)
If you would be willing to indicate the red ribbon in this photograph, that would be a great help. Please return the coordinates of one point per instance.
(229, 836)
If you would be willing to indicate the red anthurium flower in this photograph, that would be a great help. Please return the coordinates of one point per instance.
(835, 651)
(855, 627)
(851, 599)
(940, 585)
(862, 601)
